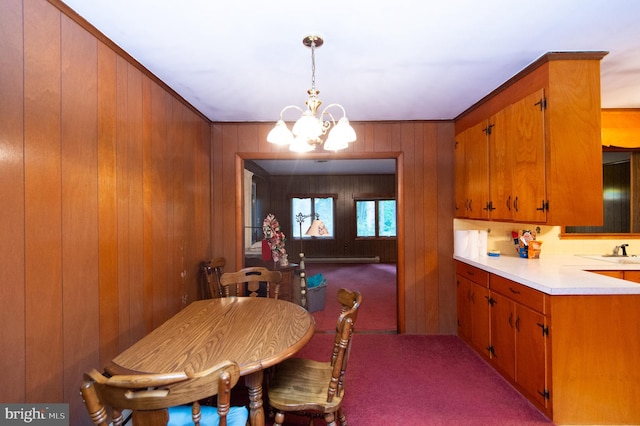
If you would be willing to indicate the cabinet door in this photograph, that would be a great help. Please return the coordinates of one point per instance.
(632, 276)
(473, 314)
(460, 187)
(526, 137)
(477, 170)
(500, 167)
(463, 302)
(530, 353)
(503, 335)
(480, 318)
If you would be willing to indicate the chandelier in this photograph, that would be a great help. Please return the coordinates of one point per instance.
(307, 132)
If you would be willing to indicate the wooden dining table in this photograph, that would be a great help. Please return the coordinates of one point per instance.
(255, 332)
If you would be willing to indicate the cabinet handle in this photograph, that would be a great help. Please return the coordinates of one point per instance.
(542, 103)
(544, 206)
(518, 324)
(511, 320)
(509, 203)
(514, 291)
(515, 204)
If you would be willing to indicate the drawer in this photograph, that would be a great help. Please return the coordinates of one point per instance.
(472, 273)
(522, 294)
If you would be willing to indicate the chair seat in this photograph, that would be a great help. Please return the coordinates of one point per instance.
(181, 416)
(301, 384)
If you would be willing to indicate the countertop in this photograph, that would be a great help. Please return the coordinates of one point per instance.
(558, 274)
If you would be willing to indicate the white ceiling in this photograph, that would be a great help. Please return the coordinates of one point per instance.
(391, 60)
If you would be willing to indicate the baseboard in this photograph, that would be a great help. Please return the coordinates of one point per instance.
(344, 259)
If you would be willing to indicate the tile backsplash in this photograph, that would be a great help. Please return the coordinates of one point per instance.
(499, 238)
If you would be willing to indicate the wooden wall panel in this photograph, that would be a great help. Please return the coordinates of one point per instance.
(79, 128)
(106, 191)
(425, 199)
(12, 188)
(446, 205)
(134, 144)
(122, 204)
(107, 204)
(43, 205)
(159, 181)
(344, 187)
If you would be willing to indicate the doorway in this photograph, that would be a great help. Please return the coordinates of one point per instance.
(285, 171)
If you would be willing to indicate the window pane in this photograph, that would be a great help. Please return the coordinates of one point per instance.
(324, 209)
(365, 218)
(387, 218)
(300, 205)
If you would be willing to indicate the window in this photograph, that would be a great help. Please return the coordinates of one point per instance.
(310, 207)
(375, 218)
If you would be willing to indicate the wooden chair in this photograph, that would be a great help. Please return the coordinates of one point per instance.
(158, 399)
(211, 272)
(313, 388)
(252, 276)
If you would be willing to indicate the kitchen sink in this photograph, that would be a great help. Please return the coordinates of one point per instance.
(632, 259)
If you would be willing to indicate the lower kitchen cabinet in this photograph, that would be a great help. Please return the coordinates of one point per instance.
(473, 306)
(519, 338)
(575, 357)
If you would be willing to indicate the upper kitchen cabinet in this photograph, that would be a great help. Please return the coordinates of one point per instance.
(543, 144)
(472, 172)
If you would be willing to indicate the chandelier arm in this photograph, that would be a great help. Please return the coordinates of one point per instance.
(325, 111)
(290, 107)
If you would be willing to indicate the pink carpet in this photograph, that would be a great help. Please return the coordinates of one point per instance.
(421, 380)
(376, 282)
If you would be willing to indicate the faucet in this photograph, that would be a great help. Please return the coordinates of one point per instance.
(616, 250)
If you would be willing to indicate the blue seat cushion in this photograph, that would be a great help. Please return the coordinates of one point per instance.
(181, 416)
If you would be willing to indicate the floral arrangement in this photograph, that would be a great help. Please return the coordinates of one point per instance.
(274, 236)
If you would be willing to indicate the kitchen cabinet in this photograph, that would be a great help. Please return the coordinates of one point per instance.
(574, 356)
(516, 158)
(472, 166)
(621, 274)
(473, 306)
(519, 331)
(544, 148)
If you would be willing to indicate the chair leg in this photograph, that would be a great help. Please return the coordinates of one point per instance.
(330, 419)
(278, 419)
(342, 417)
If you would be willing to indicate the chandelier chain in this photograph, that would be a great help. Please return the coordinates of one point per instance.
(313, 65)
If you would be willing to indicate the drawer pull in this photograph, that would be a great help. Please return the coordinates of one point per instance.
(470, 272)
(514, 291)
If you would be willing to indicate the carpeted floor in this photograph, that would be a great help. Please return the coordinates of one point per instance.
(404, 379)
(376, 282)
(421, 380)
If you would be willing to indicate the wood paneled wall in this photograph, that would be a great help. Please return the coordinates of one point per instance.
(345, 188)
(424, 151)
(105, 193)
(112, 194)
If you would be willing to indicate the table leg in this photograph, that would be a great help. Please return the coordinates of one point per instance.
(253, 382)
